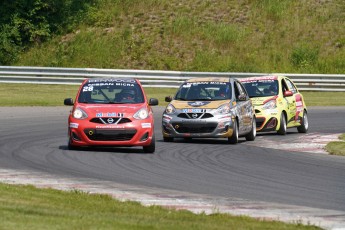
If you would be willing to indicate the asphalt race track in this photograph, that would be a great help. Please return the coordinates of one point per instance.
(34, 139)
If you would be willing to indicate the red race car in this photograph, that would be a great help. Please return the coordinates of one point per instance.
(111, 112)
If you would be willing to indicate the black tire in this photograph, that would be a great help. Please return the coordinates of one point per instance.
(234, 138)
(152, 147)
(187, 139)
(283, 125)
(70, 146)
(168, 139)
(252, 134)
(303, 128)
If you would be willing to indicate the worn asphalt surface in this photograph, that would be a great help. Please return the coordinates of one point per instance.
(289, 178)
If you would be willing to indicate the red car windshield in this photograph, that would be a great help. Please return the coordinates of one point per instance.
(111, 92)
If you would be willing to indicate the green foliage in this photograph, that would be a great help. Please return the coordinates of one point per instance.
(24, 23)
(274, 9)
(286, 36)
(10, 44)
(304, 57)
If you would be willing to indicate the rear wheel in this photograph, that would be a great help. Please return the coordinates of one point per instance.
(252, 134)
(282, 128)
(152, 147)
(234, 138)
(303, 128)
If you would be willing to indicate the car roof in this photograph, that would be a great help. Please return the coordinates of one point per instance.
(209, 79)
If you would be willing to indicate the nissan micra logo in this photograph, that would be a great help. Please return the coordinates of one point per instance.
(110, 120)
(195, 115)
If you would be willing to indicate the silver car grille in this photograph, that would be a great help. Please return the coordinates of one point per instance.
(195, 115)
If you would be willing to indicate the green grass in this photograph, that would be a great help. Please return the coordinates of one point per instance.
(53, 95)
(337, 147)
(285, 36)
(324, 98)
(27, 207)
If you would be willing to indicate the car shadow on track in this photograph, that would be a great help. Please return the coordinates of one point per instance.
(207, 141)
(103, 149)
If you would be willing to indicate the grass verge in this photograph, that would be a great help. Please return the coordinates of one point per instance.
(337, 147)
(27, 207)
(53, 95)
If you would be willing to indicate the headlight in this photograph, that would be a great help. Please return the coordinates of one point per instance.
(223, 109)
(141, 114)
(170, 109)
(78, 113)
(270, 105)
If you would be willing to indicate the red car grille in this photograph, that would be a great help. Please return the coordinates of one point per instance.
(110, 134)
(114, 120)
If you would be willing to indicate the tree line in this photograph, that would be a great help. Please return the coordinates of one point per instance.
(24, 23)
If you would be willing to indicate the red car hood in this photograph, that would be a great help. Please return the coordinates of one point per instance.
(112, 109)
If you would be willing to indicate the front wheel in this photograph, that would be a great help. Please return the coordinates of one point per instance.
(234, 138)
(252, 134)
(151, 147)
(303, 128)
(282, 128)
(168, 139)
(70, 146)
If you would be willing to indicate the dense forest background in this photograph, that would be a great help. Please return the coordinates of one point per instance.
(288, 36)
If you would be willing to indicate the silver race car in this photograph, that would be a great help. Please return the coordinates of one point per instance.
(209, 108)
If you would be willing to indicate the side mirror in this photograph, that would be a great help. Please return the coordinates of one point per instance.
(153, 101)
(168, 99)
(68, 101)
(242, 97)
(288, 93)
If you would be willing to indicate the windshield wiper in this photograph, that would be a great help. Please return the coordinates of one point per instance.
(114, 102)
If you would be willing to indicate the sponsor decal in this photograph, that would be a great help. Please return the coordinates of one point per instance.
(300, 109)
(166, 118)
(201, 121)
(87, 88)
(272, 111)
(299, 106)
(259, 79)
(221, 125)
(198, 103)
(73, 125)
(188, 84)
(111, 114)
(110, 127)
(194, 110)
(225, 117)
(112, 80)
(299, 103)
(146, 125)
(115, 115)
